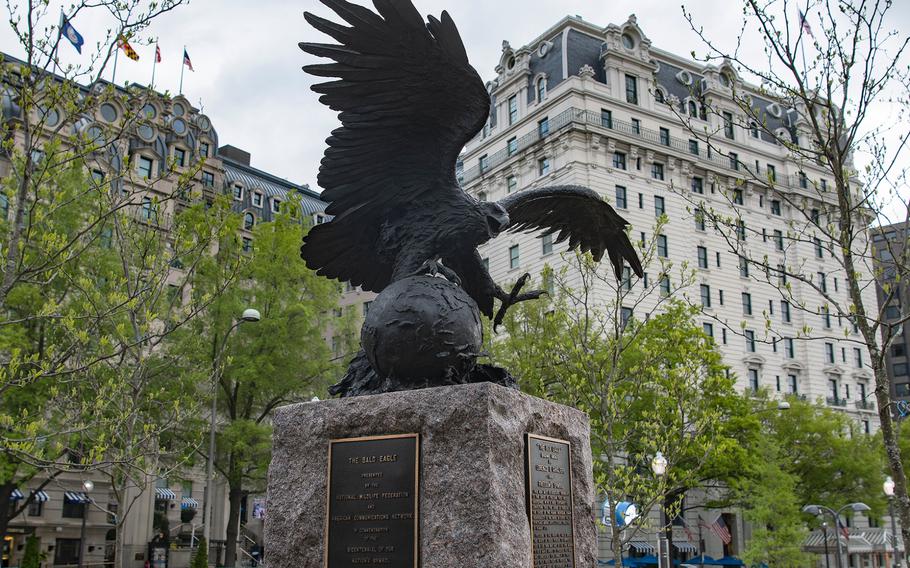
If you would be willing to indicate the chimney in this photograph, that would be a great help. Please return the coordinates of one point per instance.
(235, 154)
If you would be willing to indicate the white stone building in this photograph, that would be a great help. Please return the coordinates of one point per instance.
(600, 107)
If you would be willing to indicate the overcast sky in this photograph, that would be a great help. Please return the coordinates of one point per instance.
(247, 64)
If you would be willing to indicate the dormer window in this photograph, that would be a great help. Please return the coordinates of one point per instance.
(248, 221)
(628, 41)
(541, 89)
(204, 149)
(144, 167)
(276, 205)
(238, 193)
(179, 157)
(257, 199)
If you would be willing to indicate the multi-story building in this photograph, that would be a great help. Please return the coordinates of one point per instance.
(70, 516)
(601, 107)
(889, 245)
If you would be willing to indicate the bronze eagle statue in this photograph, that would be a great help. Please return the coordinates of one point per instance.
(409, 101)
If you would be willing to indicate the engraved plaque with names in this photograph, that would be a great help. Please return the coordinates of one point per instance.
(550, 502)
(371, 515)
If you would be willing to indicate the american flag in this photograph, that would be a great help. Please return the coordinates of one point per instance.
(719, 527)
(843, 529)
(157, 54)
(186, 59)
(689, 536)
(805, 24)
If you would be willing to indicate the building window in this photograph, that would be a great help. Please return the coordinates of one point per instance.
(803, 180)
(180, 156)
(829, 352)
(662, 246)
(546, 243)
(785, 311)
(858, 357)
(708, 328)
(636, 126)
(541, 89)
(747, 303)
(276, 205)
(705, 296)
(208, 179)
(543, 127)
(753, 380)
(626, 278)
(35, 508)
(247, 243)
(620, 197)
(750, 340)
(606, 118)
(723, 335)
(698, 185)
(734, 160)
(659, 206)
(772, 177)
(512, 146)
(67, 551)
(794, 384)
(511, 184)
(819, 251)
(238, 193)
(789, 347)
(632, 89)
(625, 314)
(664, 136)
(148, 209)
(513, 109)
(693, 109)
(619, 160)
(204, 149)
(693, 147)
(664, 285)
(753, 129)
(543, 166)
(248, 221)
(775, 207)
(900, 369)
(659, 96)
(699, 218)
(73, 510)
(743, 267)
(702, 257)
(483, 163)
(741, 229)
(257, 199)
(657, 171)
(778, 240)
(514, 260)
(814, 216)
(738, 196)
(144, 167)
(720, 297)
(728, 125)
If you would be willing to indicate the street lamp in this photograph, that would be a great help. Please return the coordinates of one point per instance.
(825, 533)
(87, 485)
(818, 510)
(888, 488)
(249, 315)
(659, 467)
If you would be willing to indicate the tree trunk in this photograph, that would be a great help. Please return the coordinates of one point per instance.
(893, 454)
(235, 496)
(7, 507)
(616, 541)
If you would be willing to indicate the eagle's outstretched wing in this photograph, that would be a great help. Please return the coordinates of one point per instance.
(408, 102)
(576, 214)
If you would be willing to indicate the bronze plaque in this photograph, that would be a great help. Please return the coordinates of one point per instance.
(550, 502)
(371, 516)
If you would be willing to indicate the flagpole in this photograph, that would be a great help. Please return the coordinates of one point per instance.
(116, 54)
(182, 65)
(701, 552)
(154, 63)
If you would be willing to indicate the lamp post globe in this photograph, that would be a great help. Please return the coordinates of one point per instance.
(888, 487)
(251, 315)
(88, 485)
(659, 464)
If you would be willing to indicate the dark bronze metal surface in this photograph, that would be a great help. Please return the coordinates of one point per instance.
(372, 513)
(550, 502)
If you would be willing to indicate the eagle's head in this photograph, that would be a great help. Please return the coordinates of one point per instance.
(496, 216)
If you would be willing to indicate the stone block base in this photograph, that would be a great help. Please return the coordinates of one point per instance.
(472, 489)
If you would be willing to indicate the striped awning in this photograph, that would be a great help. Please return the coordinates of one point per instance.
(164, 493)
(16, 495)
(189, 503)
(642, 546)
(684, 546)
(76, 497)
(40, 496)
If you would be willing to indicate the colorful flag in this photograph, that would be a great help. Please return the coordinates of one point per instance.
(157, 54)
(843, 529)
(805, 24)
(127, 48)
(69, 32)
(719, 527)
(689, 536)
(186, 59)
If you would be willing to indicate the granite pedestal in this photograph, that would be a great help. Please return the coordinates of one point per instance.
(472, 484)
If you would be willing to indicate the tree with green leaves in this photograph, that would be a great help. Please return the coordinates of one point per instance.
(652, 383)
(282, 358)
(201, 558)
(32, 556)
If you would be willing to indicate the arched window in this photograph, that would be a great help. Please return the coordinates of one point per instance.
(541, 89)
(248, 221)
(482, 196)
(658, 95)
(693, 109)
